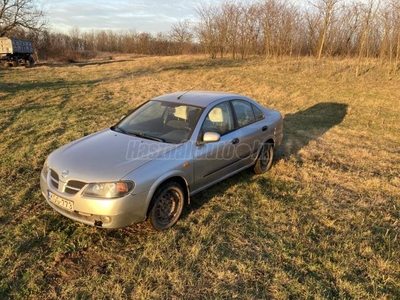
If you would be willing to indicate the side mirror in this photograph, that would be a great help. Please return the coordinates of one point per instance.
(211, 137)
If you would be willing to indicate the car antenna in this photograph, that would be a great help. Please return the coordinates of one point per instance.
(179, 97)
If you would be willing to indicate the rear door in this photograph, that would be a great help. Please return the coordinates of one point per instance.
(251, 132)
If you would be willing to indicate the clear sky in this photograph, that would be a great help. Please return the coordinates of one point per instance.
(143, 16)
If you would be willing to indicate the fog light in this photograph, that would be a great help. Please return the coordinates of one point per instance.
(105, 219)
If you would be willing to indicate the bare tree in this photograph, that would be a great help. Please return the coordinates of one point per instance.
(247, 31)
(76, 40)
(229, 22)
(288, 29)
(207, 29)
(369, 14)
(326, 10)
(270, 18)
(182, 35)
(89, 40)
(278, 19)
(390, 20)
(395, 5)
(20, 14)
(347, 29)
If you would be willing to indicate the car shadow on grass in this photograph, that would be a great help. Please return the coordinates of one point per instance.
(299, 129)
(304, 126)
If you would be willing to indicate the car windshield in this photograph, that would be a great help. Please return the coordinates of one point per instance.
(161, 121)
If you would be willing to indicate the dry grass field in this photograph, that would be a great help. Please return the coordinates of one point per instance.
(322, 224)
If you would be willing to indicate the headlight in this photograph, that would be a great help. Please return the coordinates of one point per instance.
(109, 189)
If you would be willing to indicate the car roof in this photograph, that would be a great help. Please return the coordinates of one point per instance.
(198, 98)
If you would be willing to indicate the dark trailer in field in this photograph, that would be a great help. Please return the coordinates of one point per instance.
(15, 52)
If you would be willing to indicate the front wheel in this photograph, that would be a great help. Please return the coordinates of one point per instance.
(264, 159)
(166, 206)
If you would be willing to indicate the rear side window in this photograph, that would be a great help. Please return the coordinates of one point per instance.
(258, 113)
(244, 112)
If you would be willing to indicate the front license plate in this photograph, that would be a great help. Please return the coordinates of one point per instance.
(63, 203)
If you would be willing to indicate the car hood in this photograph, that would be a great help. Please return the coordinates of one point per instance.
(105, 156)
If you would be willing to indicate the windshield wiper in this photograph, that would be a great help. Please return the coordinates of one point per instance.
(119, 129)
(146, 136)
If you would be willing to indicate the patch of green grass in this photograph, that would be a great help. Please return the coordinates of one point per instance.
(322, 224)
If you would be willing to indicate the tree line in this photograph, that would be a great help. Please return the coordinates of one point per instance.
(274, 28)
(269, 28)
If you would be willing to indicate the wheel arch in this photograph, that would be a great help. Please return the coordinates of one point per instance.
(173, 178)
(268, 140)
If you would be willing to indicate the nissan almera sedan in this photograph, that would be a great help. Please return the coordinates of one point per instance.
(147, 166)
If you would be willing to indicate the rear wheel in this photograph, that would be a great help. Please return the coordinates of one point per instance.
(166, 206)
(265, 159)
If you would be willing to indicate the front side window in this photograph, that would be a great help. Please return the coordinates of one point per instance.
(219, 119)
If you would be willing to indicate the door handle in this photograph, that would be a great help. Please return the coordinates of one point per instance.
(264, 128)
(235, 141)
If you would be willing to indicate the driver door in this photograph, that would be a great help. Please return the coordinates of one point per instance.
(216, 160)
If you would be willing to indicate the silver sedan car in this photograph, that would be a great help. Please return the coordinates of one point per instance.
(148, 165)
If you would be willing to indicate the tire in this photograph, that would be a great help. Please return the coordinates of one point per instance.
(166, 206)
(265, 159)
(31, 61)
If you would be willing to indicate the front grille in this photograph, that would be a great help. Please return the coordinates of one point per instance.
(54, 179)
(72, 186)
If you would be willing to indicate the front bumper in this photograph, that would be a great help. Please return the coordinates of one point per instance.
(106, 213)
